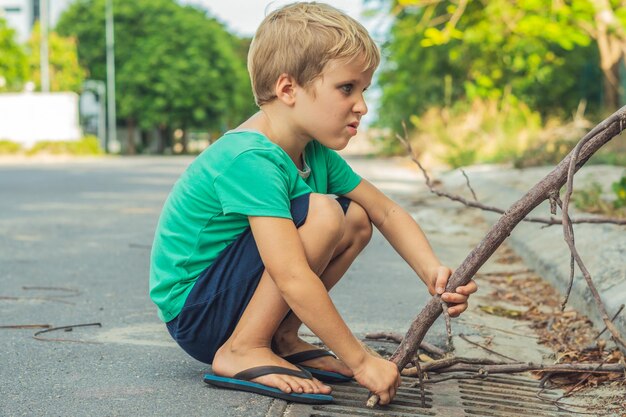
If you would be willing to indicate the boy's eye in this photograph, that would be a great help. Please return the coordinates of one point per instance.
(347, 88)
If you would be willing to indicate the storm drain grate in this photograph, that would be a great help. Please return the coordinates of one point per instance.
(492, 396)
(507, 396)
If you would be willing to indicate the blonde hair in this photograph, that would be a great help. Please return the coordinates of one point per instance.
(300, 39)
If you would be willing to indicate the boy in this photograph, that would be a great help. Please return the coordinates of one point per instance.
(249, 243)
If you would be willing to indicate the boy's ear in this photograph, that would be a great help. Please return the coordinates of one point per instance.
(285, 89)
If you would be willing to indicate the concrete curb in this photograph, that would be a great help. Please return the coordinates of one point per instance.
(601, 246)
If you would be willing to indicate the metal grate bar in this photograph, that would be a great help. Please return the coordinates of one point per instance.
(494, 396)
(511, 379)
(364, 413)
(499, 385)
(505, 393)
(520, 410)
(512, 402)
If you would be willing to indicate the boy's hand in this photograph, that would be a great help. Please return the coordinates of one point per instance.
(457, 301)
(380, 376)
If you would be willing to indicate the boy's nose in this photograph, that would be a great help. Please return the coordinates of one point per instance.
(360, 106)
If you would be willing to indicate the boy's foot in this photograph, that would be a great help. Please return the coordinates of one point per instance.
(284, 348)
(229, 362)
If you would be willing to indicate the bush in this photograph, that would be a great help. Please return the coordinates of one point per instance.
(9, 148)
(619, 187)
(89, 145)
(486, 131)
(592, 199)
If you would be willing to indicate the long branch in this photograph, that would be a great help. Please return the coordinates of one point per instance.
(509, 368)
(568, 232)
(551, 183)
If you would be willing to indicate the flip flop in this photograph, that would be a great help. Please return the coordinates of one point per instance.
(241, 382)
(324, 376)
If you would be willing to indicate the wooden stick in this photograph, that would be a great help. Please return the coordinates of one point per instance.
(540, 192)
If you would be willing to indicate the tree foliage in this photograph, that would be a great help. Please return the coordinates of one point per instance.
(66, 74)
(538, 52)
(13, 66)
(176, 67)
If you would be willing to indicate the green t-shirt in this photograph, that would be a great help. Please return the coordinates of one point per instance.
(242, 174)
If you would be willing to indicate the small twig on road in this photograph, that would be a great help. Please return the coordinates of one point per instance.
(456, 377)
(420, 382)
(56, 298)
(73, 292)
(67, 329)
(467, 181)
(3, 297)
(397, 338)
(462, 336)
(482, 326)
(613, 319)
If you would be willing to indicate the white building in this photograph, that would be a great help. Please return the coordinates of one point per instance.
(21, 15)
(28, 117)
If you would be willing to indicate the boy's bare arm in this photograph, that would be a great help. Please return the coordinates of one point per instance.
(408, 239)
(284, 258)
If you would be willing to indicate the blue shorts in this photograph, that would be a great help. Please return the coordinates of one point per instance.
(223, 290)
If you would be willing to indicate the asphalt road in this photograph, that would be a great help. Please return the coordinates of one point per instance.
(74, 249)
(75, 241)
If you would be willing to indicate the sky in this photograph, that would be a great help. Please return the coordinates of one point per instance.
(240, 16)
(244, 16)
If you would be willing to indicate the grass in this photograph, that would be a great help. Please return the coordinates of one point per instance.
(483, 131)
(9, 148)
(87, 146)
(593, 199)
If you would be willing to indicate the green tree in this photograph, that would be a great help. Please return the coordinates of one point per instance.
(176, 67)
(445, 52)
(596, 25)
(13, 66)
(66, 74)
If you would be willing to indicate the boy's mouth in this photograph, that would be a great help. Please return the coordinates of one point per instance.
(354, 125)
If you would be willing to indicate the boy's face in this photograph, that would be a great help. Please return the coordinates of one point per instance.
(330, 109)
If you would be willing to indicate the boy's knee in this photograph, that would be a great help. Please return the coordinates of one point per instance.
(327, 213)
(360, 223)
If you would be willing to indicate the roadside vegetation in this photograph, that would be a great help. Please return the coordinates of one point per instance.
(86, 146)
(594, 198)
(514, 83)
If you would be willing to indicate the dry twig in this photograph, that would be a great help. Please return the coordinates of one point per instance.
(476, 204)
(397, 338)
(67, 329)
(494, 367)
(462, 336)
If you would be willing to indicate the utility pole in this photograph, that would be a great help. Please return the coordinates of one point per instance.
(43, 46)
(110, 52)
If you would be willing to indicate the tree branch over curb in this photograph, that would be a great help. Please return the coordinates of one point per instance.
(477, 204)
(543, 190)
